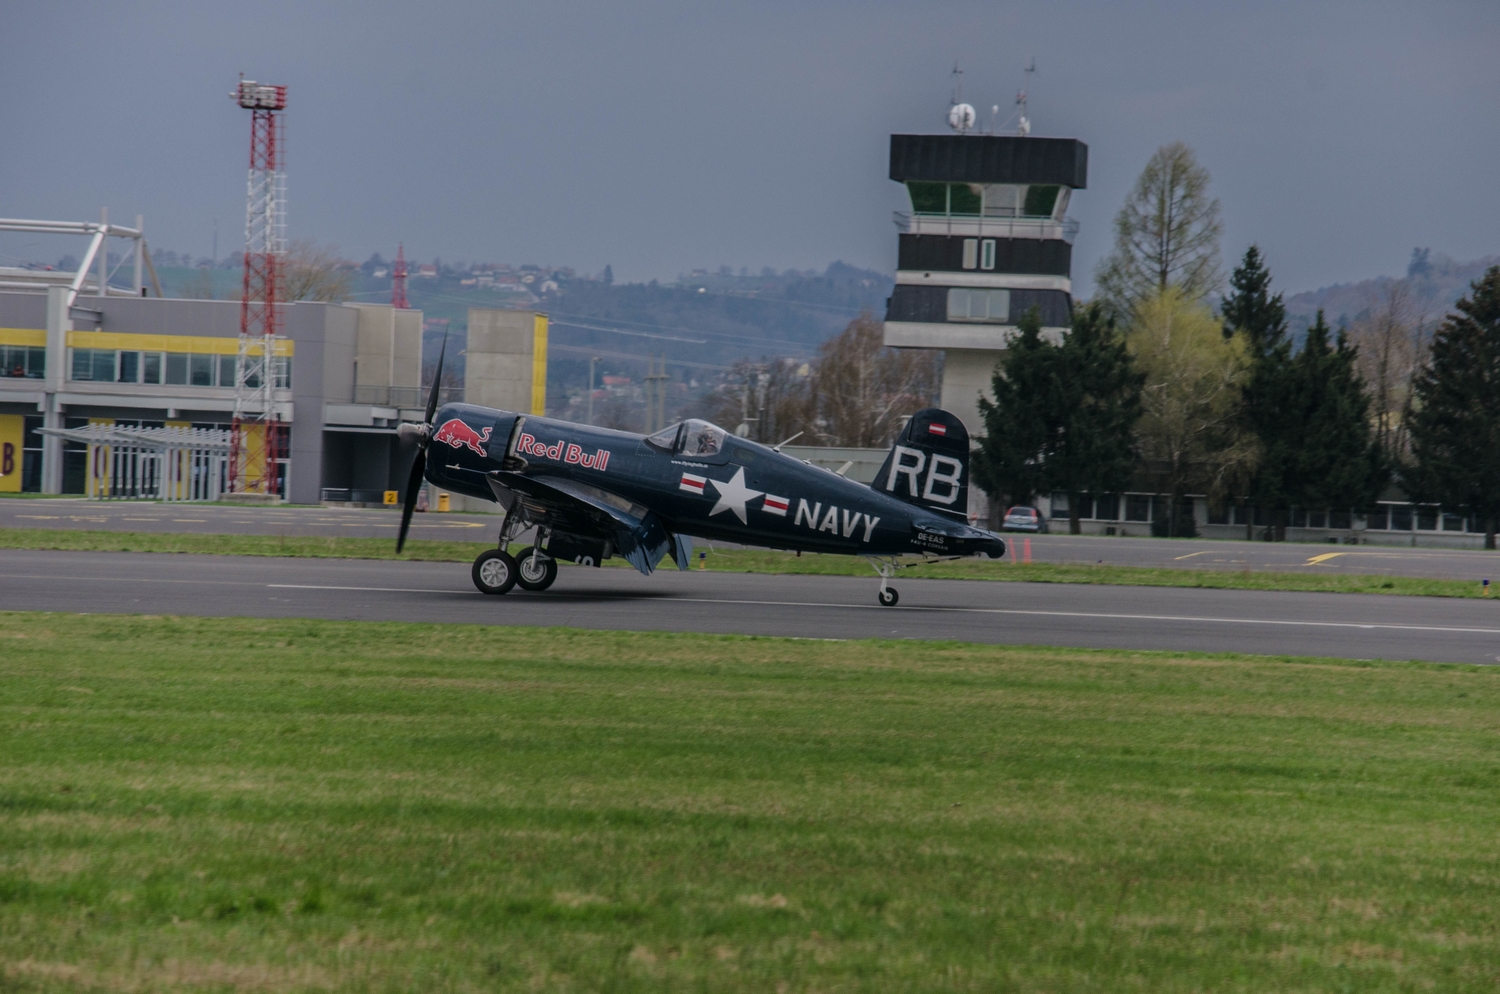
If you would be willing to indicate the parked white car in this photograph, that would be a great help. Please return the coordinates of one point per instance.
(1024, 519)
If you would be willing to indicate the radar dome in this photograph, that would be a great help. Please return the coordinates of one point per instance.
(961, 117)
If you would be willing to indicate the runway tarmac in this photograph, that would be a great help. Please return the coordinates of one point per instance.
(141, 516)
(1267, 622)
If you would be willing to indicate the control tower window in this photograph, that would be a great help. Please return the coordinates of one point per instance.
(964, 198)
(1040, 200)
(1000, 199)
(928, 198)
(988, 306)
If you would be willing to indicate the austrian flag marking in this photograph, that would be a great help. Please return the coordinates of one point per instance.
(692, 484)
(937, 429)
(776, 505)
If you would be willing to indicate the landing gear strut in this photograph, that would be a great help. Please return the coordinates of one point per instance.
(887, 596)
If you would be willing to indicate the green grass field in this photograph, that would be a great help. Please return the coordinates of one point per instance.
(747, 561)
(305, 806)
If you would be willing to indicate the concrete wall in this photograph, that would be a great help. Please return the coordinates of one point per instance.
(322, 373)
(388, 352)
(499, 360)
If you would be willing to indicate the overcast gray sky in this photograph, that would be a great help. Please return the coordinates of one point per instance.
(659, 136)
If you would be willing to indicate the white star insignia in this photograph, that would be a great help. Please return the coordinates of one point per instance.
(733, 495)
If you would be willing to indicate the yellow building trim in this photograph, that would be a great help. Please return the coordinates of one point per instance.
(200, 344)
(24, 336)
(12, 456)
(539, 366)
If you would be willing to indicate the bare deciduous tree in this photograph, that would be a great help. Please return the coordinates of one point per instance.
(863, 391)
(768, 401)
(1166, 235)
(1390, 336)
(315, 272)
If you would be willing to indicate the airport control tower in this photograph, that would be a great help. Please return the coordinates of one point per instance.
(987, 238)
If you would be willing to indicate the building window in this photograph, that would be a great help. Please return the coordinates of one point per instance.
(94, 364)
(23, 361)
(151, 367)
(1427, 519)
(177, 368)
(971, 252)
(1137, 507)
(226, 370)
(990, 306)
(1107, 507)
(1401, 518)
(1453, 522)
(201, 370)
(986, 254)
(130, 367)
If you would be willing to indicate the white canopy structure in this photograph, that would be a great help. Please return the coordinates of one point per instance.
(173, 464)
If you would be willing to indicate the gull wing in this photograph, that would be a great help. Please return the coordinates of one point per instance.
(638, 533)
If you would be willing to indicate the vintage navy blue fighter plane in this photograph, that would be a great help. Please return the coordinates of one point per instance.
(593, 493)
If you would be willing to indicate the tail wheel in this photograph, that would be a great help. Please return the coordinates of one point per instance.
(494, 572)
(535, 570)
(889, 597)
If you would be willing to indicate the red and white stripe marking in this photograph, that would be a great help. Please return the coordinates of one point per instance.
(776, 505)
(937, 429)
(692, 484)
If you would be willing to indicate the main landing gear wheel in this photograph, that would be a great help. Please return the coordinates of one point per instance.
(494, 572)
(535, 570)
(889, 597)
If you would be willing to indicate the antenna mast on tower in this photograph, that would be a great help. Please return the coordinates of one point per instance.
(256, 439)
(398, 278)
(1023, 126)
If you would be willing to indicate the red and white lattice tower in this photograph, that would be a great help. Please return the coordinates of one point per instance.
(257, 443)
(398, 278)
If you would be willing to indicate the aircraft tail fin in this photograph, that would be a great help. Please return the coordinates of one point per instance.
(929, 464)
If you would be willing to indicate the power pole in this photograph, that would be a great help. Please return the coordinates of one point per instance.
(656, 394)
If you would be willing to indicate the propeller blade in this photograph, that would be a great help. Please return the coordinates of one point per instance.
(437, 378)
(413, 488)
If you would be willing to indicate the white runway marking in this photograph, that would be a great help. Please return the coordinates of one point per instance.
(981, 610)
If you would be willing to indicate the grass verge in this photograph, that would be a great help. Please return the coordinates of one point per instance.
(746, 561)
(308, 805)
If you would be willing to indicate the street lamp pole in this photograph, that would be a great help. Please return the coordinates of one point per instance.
(592, 360)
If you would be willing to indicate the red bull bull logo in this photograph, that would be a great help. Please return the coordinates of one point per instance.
(460, 435)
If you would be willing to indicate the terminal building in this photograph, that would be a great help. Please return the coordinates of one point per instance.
(107, 373)
(346, 374)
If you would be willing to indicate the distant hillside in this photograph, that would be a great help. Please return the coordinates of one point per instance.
(1436, 282)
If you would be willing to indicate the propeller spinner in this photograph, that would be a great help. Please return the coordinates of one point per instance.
(422, 433)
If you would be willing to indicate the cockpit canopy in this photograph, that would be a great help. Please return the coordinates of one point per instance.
(690, 438)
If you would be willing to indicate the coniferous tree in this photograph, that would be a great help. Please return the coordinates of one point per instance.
(1455, 421)
(1098, 405)
(1268, 400)
(1337, 463)
(1250, 309)
(1020, 424)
